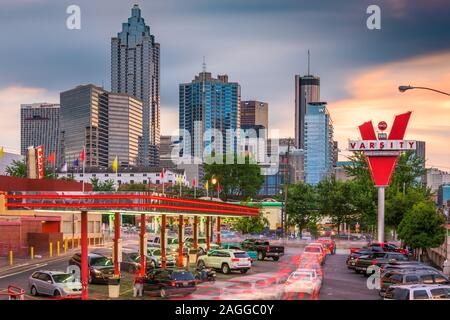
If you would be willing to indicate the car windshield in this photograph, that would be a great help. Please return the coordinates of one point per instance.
(63, 278)
(301, 276)
(312, 249)
(101, 261)
(182, 276)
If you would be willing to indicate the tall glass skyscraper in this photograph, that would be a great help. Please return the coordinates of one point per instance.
(307, 89)
(207, 104)
(39, 125)
(318, 148)
(135, 70)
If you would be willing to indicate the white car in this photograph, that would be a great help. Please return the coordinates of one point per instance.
(201, 243)
(303, 281)
(54, 283)
(418, 292)
(226, 260)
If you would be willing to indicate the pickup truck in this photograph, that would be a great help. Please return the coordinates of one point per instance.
(263, 249)
(377, 258)
(252, 254)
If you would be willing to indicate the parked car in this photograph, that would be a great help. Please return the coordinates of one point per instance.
(155, 242)
(418, 292)
(225, 260)
(303, 281)
(411, 277)
(201, 244)
(263, 249)
(388, 246)
(101, 268)
(154, 257)
(329, 244)
(54, 283)
(351, 259)
(377, 258)
(168, 282)
(252, 254)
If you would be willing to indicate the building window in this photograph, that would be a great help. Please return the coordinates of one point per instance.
(97, 226)
(67, 227)
(131, 181)
(144, 182)
(90, 226)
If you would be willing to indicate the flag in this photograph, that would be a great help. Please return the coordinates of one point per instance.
(76, 163)
(218, 187)
(179, 180)
(1, 152)
(82, 155)
(51, 157)
(162, 173)
(206, 185)
(64, 167)
(194, 183)
(114, 164)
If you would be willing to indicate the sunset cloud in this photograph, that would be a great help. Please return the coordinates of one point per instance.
(374, 95)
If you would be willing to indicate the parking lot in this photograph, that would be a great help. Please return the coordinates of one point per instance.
(265, 279)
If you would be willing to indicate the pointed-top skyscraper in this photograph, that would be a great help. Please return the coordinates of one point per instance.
(135, 70)
(307, 89)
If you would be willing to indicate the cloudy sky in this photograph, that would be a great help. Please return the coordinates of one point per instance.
(261, 44)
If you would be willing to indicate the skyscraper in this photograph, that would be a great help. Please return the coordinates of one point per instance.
(135, 70)
(39, 125)
(255, 113)
(307, 89)
(208, 104)
(318, 143)
(124, 129)
(84, 123)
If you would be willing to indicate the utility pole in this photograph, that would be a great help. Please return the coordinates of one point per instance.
(286, 184)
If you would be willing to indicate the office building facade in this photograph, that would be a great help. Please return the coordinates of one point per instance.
(39, 125)
(208, 106)
(318, 143)
(255, 113)
(124, 129)
(307, 89)
(135, 70)
(84, 123)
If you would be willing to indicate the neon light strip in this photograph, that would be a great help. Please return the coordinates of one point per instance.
(124, 205)
(129, 196)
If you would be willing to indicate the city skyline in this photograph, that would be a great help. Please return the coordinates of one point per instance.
(385, 61)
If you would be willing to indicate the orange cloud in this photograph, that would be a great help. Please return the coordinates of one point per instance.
(374, 96)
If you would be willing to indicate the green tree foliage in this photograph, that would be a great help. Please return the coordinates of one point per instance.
(302, 206)
(236, 180)
(97, 185)
(422, 227)
(17, 168)
(250, 225)
(335, 200)
(133, 187)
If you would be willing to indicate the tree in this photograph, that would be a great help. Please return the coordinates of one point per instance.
(17, 168)
(247, 225)
(422, 227)
(302, 206)
(97, 185)
(335, 200)
(133, 187)
(236, 180)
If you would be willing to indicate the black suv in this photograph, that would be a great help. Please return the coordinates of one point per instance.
(405, 277)
(101, 268)
(170, 282)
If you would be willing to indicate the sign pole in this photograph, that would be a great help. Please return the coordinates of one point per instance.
(381, 214)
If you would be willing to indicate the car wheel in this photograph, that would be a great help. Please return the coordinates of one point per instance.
(33, 291)
(260, 256)
(56, 293)
(225, 268)
(276, 258)
(162, 293)
(200, 264)
(244, 271)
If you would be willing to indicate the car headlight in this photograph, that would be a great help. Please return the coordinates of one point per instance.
(96, 271)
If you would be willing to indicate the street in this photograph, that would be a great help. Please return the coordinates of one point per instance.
(265, 280)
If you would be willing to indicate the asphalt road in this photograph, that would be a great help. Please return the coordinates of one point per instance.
(264, 281)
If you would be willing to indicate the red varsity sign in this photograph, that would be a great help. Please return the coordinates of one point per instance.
(40, 161)
(382, 151)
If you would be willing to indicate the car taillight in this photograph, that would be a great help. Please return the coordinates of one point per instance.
(173, 283)
(268, 249)
(235, 260)
(374, 262)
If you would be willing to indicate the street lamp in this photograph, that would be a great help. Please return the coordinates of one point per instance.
(405, 88)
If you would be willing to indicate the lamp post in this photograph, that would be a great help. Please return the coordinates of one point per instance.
(405, 88)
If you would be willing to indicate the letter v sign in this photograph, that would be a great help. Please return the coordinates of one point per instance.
(382, 167)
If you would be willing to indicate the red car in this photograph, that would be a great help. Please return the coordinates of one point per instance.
(329, 244)
(387, 246)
